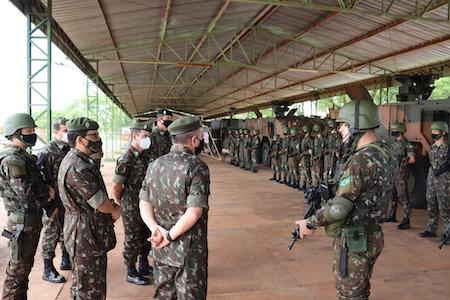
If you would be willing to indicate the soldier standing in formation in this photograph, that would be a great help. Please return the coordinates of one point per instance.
(242, 148)
(255, 144)
(226, 145)
(88, 228)
(438, 180)
(237, 148)
(275, 162)
(354, 215)
(247, 149)
(160, 135)
(174, 205)
(332, 153)
(49, 160)
(232, 146)
(127, 182)
(285, 150)
(317, 157)
(293, 158)
(24, 194)
(305, 161)
(403, 154)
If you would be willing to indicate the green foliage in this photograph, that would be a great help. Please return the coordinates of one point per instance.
(442, 89)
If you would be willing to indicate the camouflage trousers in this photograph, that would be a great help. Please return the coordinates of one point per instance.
(438, 200)
(293, 170)
(52, 233)
(247, 159)
(305, 173)
(356, 284)
(236, 160)
(285, 169)
(16, 282)
(317, 172)
(136, 234)
(188, 282)
(276, 167)
(400, 195)
(241, 158)
(89, 277)
(254, 159)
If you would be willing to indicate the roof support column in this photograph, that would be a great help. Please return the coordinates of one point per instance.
(92, 95)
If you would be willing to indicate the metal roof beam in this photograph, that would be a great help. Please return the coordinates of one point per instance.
(382, 10)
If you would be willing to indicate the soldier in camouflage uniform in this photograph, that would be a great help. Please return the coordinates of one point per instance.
(293, 158)
(127, 182)
(438, 180)
(88, 227)
(226, 145)
(332, 153)
(354, 215)
(403, 153)
(174, 205)
(285, 151)
(255, 144)
(160, 136)
(318, 156)
(275, 150)
(305, 158)
(24, 195)
(49, 159)
(232, 139)
(237, 148)
(247, 149)
(242, 139)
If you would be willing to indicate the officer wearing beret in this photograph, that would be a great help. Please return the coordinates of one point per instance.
(160, 136)
(88, 228)
(127, 181)
(24, 194)
(174, 205)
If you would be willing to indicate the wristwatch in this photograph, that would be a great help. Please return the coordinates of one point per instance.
(168, 237)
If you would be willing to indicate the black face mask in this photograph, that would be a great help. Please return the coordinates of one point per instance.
(395, 133)
(167, 123)
(95, 146)
(435, 137)
(29, 139)
(200, 147)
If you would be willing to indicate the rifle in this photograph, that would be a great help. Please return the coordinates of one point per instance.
(313, 196)
(445, 237)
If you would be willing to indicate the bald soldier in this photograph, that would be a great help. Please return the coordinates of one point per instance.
(174, 205)
(88, 225)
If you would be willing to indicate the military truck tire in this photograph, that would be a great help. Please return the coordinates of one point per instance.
(265, 151)
(417, 182)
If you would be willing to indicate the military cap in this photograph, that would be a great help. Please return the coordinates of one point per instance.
(142, 126)
(184, 125)
(164, 112)
(61, 121)
(81, 124)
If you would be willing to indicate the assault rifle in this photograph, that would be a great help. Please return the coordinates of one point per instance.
(313, 196)
(445, 237)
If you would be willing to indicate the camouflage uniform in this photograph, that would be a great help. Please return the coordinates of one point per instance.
(285, 152)
(173, 183)
(130, 171)
(293, 161)
(332, 146)
(256, 141)
(275, 150)
(401, 151)
(242, 151)
(317, 161)
(237, 153)
(88, 233)
(438, 193)
(366, 180)
(24, 195)
(305, 162)
(161, 143)
(247, 151)
(49, 160)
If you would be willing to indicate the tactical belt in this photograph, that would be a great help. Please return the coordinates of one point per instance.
(25, 217)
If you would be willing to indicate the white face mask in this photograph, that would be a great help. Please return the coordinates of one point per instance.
(145, 143)
(65, 137)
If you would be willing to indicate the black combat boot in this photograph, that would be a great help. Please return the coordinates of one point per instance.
(144, 266)
(133, 276)
(427, 234)
(65, 261)
(50, 274)
(404, 224)
(273, 178)
(391, 219)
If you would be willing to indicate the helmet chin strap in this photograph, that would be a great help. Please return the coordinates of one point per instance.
(355, 128)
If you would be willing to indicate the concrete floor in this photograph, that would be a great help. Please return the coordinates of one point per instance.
(250, 221)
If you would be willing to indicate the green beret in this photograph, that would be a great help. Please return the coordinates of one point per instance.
(184, 125)
(82, 124)
(61, 121)
(142, 126)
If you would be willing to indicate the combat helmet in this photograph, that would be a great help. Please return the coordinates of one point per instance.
(306, 128)
(294, 131)
(318, 127)
(359, 115)
(331, 123)
(286, 130)
(439, 125)
(16, 122)
(398, 127)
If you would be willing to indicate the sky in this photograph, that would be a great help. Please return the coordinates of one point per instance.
(68, 82)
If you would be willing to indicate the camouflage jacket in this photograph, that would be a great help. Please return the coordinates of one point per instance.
(333, 142)
(437, 156)
(319, 147)
(286, 148)
(173, 183)
(401, 150)
(307, 144)
(366, 178)
(21, 184)
(295, 146)
(275, 149)
(87, 231)
(255, 142)
(49, 160)
(161, 142)
(130, 171)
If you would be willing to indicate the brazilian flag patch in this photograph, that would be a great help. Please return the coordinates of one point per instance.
(345, 183)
